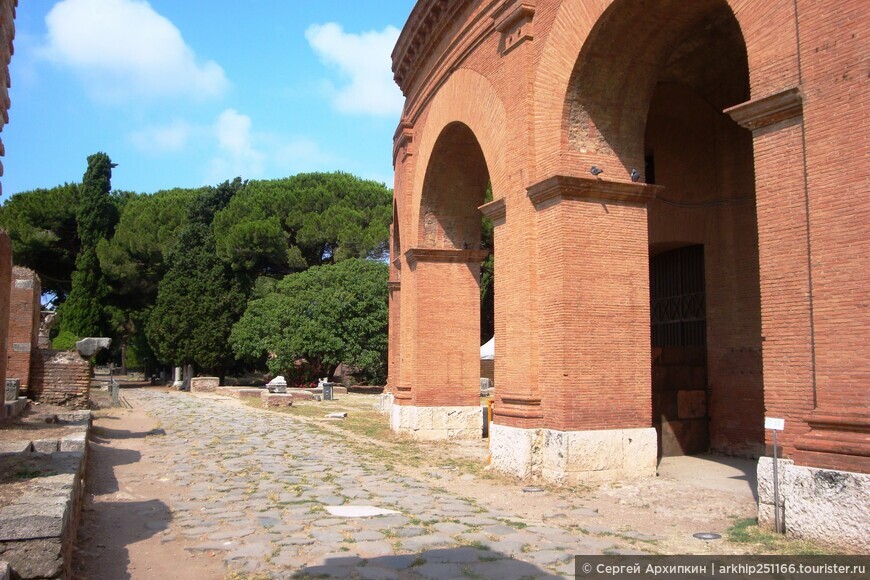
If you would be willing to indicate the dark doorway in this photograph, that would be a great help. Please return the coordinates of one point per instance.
(679, 351)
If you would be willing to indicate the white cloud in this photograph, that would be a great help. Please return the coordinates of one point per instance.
(125, 48)
(237, 154)
(156, 140)
(364, 60)
(260, 155)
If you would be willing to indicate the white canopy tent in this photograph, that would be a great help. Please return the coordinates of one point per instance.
(487, 351)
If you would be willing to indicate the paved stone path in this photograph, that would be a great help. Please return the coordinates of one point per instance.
(255, 486)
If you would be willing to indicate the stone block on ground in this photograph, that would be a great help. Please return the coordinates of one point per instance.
(45, 445)
(277, 385)
(88, 347)
(74, 442)
(302, 395)
(248, 393)
(12, 388)
(14, 408)
(204, 384)
(276, 399)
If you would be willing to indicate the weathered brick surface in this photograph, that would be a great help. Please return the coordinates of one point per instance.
(276, 399)
(60, 378)
(5, 288)
(778, 201)
(7, 34)
(24, 311)
(204, 384)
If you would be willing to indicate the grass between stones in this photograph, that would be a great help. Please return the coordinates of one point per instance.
(760, 541)
(372, 434)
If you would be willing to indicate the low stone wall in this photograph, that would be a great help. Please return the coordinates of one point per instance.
(822, 505)
(204, 384)
(276, 399)
(37, 532)
(435, 423)
(60, 378)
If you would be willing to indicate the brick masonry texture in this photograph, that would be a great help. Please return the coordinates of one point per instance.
(60, 378)
(204, 384)
(24, 308)
(752, 116)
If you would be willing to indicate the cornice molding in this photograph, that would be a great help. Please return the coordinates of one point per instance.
(562, 187)
(766, 111)
(494, 210)
(446, 255)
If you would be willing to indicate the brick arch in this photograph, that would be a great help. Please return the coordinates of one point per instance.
(573, 36)
(486, 120)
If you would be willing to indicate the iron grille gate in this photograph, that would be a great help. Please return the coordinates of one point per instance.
(677, 298)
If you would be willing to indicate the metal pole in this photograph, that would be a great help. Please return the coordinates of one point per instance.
(775, 487)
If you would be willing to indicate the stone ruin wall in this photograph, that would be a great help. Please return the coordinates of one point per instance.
(48, 376)
(60, 378)
(21, 340)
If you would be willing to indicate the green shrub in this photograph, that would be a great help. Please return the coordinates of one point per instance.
(66, 340)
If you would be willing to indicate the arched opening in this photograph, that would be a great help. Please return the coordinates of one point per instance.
(454, 188)
(446, 266)
(457, 184)
(646, 102)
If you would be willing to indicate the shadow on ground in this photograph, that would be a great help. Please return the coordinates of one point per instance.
(103, 434)
(107, 527)
(461, 562)
(118, 525)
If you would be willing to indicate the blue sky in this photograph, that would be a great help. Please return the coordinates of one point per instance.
(187, 93)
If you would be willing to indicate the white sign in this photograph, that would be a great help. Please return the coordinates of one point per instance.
(775, 424)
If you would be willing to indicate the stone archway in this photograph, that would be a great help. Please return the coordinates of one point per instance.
(444, 264)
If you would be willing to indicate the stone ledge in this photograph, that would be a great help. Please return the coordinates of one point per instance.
(569, 457)
(276, 399)
(823, 505)
(204, 384)
(37, 533)
(437, 423)
(239, 392)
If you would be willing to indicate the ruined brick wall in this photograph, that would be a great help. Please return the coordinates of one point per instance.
(5, 287)
(7, 34)
(24, 312)
(60, 378)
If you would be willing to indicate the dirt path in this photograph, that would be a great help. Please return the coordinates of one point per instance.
(124, 515)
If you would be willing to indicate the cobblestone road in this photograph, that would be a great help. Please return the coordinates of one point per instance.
(255, 486)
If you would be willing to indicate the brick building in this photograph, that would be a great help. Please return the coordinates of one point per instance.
(680, 208)
(7, 34)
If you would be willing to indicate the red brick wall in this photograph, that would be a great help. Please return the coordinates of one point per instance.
(60, 378)
(795, 260)
(5, 288)
(7, 34)
(24, 310)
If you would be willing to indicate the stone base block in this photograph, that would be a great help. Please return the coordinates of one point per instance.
(13, 386)
(822, 505)
(248, 393)
(436, 423)
(204, 384)
(515, 451)
(576, 456)
(276, 399)
(300, 395)
(14, 408)
(568, 457)
(384, 403)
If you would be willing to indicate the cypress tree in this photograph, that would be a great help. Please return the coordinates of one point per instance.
(82, 314)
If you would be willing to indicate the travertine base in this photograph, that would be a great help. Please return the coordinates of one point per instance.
(822, 505)
(568, 457)
(434, 423)
(515, 451)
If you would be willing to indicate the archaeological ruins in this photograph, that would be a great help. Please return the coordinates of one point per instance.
(680, 211)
